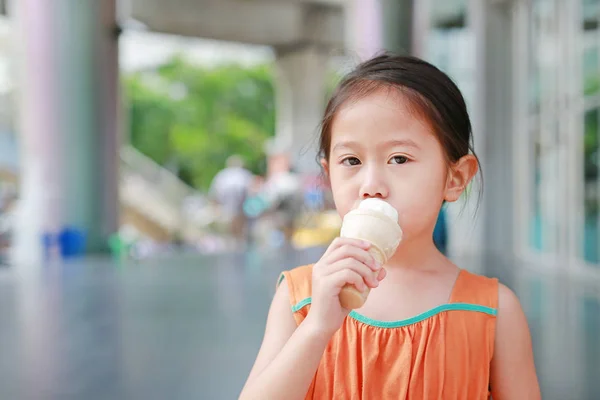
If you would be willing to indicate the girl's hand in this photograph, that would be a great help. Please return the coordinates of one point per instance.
(346, 261)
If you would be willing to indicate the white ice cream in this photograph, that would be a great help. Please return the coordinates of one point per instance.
(380, 206)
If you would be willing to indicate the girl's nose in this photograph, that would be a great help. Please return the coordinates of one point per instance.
(374, 185)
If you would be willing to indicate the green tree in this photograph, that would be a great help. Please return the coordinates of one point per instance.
(195, 117)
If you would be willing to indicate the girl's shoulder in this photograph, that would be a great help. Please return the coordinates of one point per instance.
(471, 288)
(299, 284)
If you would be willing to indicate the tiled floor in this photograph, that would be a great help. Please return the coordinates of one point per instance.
(189, 327)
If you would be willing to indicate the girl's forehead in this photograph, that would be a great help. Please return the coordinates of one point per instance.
(384, 99)
(380, 114)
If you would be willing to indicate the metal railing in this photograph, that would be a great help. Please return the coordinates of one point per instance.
(168, 184)
(153, 190)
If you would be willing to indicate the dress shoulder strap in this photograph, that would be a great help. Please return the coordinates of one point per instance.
(475, 289)
(299, 281)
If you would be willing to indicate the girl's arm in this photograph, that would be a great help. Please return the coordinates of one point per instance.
(513, 373)
(289, 355)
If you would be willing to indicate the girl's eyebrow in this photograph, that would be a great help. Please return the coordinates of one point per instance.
(390, 143)
(346, 144)
(400, 143)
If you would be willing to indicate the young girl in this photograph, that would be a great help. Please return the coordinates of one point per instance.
(397, 129)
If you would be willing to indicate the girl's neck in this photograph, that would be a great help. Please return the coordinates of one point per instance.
(417, 254)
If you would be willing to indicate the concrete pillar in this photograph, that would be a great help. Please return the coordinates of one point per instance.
(495, 53)
(68, 102)
(397, 22)
(300, 101)
(364, 31)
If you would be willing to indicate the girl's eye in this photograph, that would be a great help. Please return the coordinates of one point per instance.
(398, 160)
(351, 161)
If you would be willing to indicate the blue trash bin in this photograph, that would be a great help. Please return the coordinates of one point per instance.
(72, 242)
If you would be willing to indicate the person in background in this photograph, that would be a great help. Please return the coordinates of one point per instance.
(283, 192)
(229, 189)
(254, 206)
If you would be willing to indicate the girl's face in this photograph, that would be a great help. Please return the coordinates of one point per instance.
(380, 148)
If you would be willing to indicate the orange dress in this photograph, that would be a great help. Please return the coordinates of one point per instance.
(444, 353)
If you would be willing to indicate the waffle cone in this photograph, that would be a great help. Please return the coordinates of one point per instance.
(382, 232)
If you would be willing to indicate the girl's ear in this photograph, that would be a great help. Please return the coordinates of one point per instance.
(459, 176)
(325, 165)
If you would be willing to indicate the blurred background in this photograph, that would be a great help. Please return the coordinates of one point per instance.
(158, 171)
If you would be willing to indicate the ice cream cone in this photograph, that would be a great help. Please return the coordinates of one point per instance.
(379, 229)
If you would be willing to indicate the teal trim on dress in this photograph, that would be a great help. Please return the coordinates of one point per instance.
(301, 304)
(281, 278)
(412, 320)
(425, 315)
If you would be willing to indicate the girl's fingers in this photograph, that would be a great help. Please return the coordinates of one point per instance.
(367, 274)
(339, 242)
(347, 276)
(350, 251)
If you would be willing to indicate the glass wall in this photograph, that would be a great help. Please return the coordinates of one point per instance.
(556, 109)
(590, 175)
(590, 13)
(561, 38)
(450, 44)
(543, 147)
